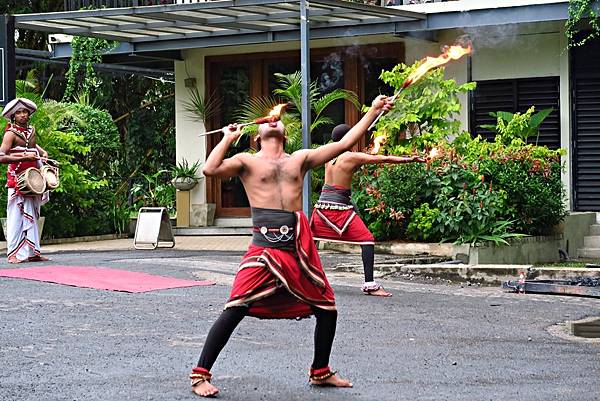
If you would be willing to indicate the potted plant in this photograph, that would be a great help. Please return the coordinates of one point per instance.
(184, 175)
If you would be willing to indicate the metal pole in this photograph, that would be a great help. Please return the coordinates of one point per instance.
(7, 59)
(305, 73)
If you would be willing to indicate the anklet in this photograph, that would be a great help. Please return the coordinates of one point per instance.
(199, 375)
(321, 374)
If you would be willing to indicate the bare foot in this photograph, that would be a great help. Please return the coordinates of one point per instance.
(14, 260)
(205, 389)
(38, 258)
(379, 293)
(334, 381)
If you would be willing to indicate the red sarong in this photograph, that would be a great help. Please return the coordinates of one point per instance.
(340, 226)
(281, 284)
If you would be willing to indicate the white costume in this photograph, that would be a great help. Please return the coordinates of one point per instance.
(23, 210)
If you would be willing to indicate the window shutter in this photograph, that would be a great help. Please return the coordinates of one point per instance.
(517, 95)
(585, 69)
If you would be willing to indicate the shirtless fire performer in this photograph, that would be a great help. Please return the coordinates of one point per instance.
(335, 218)
(281, 274)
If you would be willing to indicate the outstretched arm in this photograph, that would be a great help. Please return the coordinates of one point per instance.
(321, 155)
(358, 159)
(216, 165)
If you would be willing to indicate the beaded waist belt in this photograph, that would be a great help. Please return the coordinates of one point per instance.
(332, 206)
(278, 234)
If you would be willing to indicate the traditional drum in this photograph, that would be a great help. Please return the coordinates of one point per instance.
(31, 182)
(50, 173)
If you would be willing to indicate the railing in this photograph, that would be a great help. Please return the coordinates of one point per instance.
(72, 5)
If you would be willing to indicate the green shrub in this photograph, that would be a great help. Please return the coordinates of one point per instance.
(387, 195)
(424, 113)
(423, 224)
(473, 190)
(101, 135)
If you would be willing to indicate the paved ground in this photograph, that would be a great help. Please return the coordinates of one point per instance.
(428, 342)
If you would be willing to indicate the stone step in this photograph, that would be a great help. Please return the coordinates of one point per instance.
(591, 241)
(245, 222)
(588, 253)
(211, 231)
(589, 327)
(595, 229)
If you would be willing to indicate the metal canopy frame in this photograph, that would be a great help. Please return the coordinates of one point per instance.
(209, 19)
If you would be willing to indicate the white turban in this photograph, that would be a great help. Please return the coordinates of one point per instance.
(18, 104)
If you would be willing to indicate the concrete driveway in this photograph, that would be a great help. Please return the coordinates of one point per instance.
(428, 342)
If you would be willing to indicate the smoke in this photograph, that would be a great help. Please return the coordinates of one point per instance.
(493, 36)
(332, 72)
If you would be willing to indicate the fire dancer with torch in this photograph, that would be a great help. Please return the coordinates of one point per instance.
(281, 274)
(335, 218)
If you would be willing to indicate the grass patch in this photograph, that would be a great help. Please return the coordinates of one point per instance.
(567, 264)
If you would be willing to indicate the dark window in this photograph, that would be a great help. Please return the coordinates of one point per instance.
(517, 95)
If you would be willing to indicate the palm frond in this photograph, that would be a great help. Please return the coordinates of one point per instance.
(290, 88)
(200, 108)
(84, 98)
(255, 108)
(321, 121)
(327, 99)
(27, 85)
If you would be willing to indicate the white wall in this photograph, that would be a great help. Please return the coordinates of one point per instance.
(188, 145)
(522, 56)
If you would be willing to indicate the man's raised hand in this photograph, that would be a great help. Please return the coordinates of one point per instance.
(382, 103)
(231, 132)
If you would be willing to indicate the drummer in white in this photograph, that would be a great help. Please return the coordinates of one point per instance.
(20, 152)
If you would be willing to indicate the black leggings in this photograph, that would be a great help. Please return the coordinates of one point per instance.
(368, 259)
(222, 329)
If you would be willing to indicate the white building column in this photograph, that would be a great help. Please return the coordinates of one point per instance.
(188, 144)
(565, 116)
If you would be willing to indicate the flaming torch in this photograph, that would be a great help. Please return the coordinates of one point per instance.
(273, 116)
(377, 143)
(448, 53)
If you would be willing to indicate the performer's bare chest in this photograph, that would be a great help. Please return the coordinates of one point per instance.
(274, 172)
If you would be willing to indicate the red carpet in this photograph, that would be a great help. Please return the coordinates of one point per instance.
(100, 278)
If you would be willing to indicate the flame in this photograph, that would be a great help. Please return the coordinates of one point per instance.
(377, 143)
(429, 63)
(277, 110)
(274, 114)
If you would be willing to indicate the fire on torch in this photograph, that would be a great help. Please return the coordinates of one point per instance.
(273, 116)
(449, 53)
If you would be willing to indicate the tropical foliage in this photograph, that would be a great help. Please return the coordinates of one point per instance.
(473, 190)
(290, 90)
(423, 113)
(580, 12)
(74, 198)
(81, 76)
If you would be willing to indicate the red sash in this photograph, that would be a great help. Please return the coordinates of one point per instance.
(280, 284)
